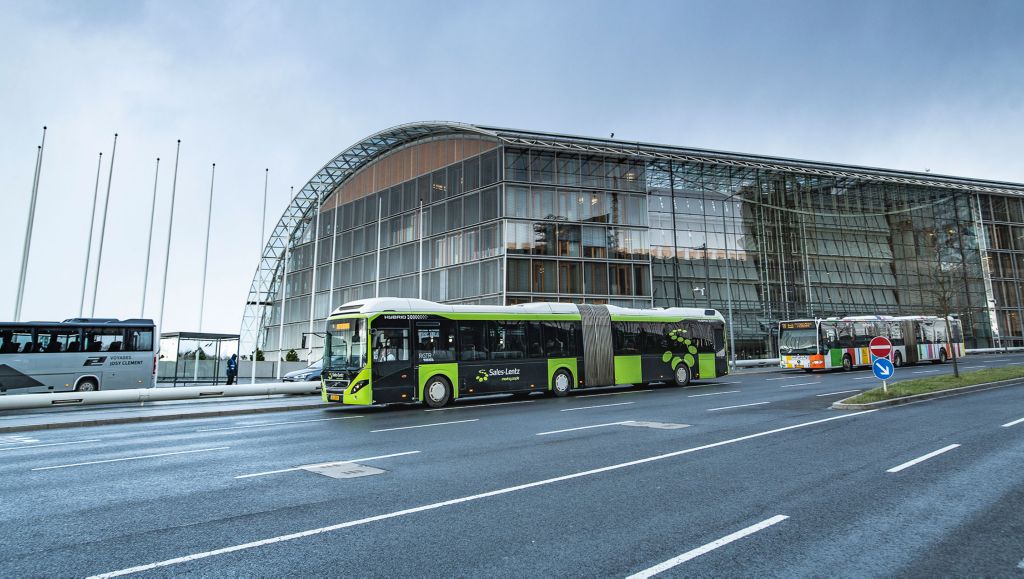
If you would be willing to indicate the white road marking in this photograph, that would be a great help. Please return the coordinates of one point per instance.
(801, 384)
(328, 464)
(784, 378)
(584, 427)
(1014, 423)
(1017, 363)
(460, 500)
(652, 571)
(971, 367)
(925, 372)
(922, 458)
(834, 393)
(866, 378)
(262, 424)
(712, 393)
(425, 425)
(721, 384)
(1000, 360)
(17, 439)
(1021, 564)
(614, 393)
(598, 406)
(49, 444)
(132, 458)
(478, 405)
(737, 406)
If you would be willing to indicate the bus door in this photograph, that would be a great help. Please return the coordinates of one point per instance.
(393, 376)
(434, 349)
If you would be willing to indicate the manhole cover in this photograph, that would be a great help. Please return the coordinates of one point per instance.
(343, 470)
(659, 425)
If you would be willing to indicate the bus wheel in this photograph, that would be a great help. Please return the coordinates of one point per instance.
(87, 385)
(897, 360)
(561, 383)
(437, 392)
(809, 370)
(682, 375)
(847, 363)
(942, 357)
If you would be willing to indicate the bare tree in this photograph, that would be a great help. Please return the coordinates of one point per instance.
(944, 280)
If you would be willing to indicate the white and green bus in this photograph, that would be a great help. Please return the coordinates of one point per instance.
(82, 354)
(388, 350)
(823, 344)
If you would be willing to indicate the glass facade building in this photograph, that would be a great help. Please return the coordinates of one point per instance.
(468, 214)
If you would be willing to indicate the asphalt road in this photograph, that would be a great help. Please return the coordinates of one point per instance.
(750, 475)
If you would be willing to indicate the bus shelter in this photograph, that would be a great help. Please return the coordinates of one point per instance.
(195, 357)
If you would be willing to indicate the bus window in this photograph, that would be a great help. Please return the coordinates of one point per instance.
(626, 338)
(16, 340)
(559, 339)
(435, 341)
(139, 341)
(472, 343)
(507, 340)
(104, 339)
(895, 333)
(655, 338)
(391, 345)
(845, 332)
(55, 340)
(533, 340)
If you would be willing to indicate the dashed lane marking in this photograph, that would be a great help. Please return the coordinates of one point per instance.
(834, 393)
(737, 406)
(801, 384)
(597, 406)
(48, 444)
(425, 425)
(132, 458)
(583, 428)
(265, 424)
(652, 571)
(614, 393)
(1014, 423)
(712, 393)
(920, 459)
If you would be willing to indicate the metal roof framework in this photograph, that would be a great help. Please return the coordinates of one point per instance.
(300, 212)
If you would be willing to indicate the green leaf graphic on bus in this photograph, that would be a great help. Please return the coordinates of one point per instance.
(683, 343)
(481, 376)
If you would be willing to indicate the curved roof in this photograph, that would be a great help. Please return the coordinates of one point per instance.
(351, 160)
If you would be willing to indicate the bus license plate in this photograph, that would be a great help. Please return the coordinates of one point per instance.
(335, 398)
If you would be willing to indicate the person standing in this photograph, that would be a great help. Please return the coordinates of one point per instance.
(232, 368)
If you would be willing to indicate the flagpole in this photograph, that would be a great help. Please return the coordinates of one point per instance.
(103, 232)
(167, 256)
(88, 245)
(28, 229)
(149, 242)
(206, 260)
(263, 222)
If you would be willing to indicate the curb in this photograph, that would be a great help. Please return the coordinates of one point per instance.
(842, 405)
(159, 417)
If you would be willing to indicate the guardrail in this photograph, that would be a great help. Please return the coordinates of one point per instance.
(50, 400)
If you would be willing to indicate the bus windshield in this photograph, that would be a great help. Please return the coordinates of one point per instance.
(346, 344)
(803, 341)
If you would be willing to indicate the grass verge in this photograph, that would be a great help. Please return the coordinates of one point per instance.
(937, 383)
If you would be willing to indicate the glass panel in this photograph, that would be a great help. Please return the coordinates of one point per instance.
(569, 279)
(518, 275)
(545, 278)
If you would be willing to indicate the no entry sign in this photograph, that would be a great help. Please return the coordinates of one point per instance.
(880, 347)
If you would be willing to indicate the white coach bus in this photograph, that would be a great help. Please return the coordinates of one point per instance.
(81, 354)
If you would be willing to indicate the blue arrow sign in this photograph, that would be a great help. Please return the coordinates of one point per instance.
(883, 368)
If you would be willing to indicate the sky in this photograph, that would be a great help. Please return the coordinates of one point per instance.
(250, 85)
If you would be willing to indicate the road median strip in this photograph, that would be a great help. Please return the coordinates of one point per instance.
(907, 391)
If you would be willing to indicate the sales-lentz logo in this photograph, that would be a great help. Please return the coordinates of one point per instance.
(95, 361)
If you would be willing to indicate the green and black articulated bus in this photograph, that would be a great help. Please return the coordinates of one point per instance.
(390, 350)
